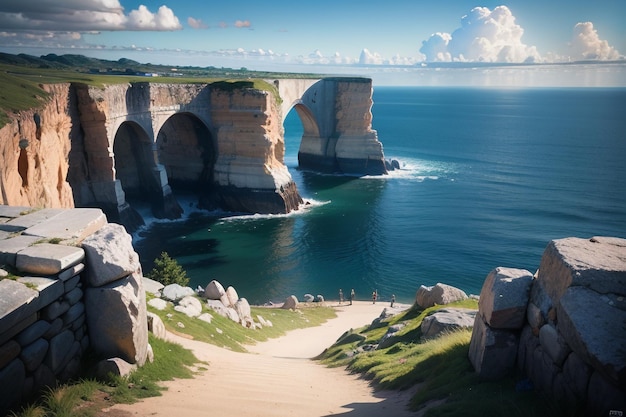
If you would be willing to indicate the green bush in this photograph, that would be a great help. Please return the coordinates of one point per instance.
(167, 271)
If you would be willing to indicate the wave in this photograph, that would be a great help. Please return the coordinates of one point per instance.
(418, 170)
(304, 208)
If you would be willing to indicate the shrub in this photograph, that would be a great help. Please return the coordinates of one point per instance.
(167, 271)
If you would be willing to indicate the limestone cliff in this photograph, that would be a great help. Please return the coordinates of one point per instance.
(34, 153)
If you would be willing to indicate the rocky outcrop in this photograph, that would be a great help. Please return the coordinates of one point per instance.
(569, 339)
(439, 294)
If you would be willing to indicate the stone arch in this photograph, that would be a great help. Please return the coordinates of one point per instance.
(134, 161)
(308, 120)
(187, 149)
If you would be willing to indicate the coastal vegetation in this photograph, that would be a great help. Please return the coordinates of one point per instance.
(168, 271)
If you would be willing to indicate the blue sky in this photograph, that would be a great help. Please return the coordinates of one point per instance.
(339, 36)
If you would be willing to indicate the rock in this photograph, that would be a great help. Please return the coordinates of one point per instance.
(263, 322)
(243, 310)
(319, 298)
(8, 352)
(232, 296)
(157, 303)
(117, 319)
(598, 263)
(12, 379)
(58, 353)
(379, 321)
(176, 292)
(115, 367)
(438, 294)
(109, 255)
(222, 310)
(553, 344)
(156, 326)
(48, 259)
(577, 373)
(214, 291)
(447, 320)
(34, 354)
(32, 333)
(291, 303)
(205, 317)
(152, 287)
(504, 297)
(190, 306)
(388, 339)
(595, 330)
(492, 352)
(308, 298)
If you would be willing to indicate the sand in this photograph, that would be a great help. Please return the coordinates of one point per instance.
(277, 378)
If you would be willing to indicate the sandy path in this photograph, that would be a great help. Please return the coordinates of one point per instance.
(278, 379)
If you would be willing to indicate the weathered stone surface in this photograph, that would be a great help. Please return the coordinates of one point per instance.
(291, 303)
(190, 306)
(504, 297)
(534, 317)
(71, 272)
(10, 247)
(47, 259)
(54, 310)
(55, 328)
(527, 344)
(576, 373)
(12, 211)
(8, 352)
(31, 219)
(156, 326)
(158, 303)
(74, 296)
(446, 320)
(59, 351)
(214, 290)
(74, 313)
(308, 298)
(232, 295)
(12, 379)
(492, 352)
(553, 344)
(242, 307)
(34, 354)
(70, 225)
(49, 289)
(151, 286)
(438, 294)
(17, 303)
(595, 330)
(205, 317)
(32, 332)
(598, 263)
(175, 292)
(109, 255)
(115, 367)
(116, 319)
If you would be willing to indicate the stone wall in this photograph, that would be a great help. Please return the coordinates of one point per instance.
(76, 284)
(562, 330)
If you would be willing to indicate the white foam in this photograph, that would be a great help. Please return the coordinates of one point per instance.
(304, 208)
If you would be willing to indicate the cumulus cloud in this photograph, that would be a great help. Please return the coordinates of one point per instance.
(242, 24)
(82, 16)
(196, 23)
(586, 44)
(484, 36)
(370, 58)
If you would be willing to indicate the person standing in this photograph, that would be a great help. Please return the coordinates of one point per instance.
(340, 296)
(393, 299)
(351, 295)
(374, 296)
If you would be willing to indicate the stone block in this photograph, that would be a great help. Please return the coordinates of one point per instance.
(492, 352)
(70, 225)
(54, 310)
(48, 259)
(76, 311)
(553, 344)
(109, 255)
(597, 263)
(14, 211)
(59, 351)
(74, 296)
(71, 272)
(71, 283)
(595, 330)
(12, 379)
(34, 354)
(527, 345)
(10, 247)
(117, 321)
(55, 328)
(17, 327)
(49, 288)
(576, 374)
(17, 303)
(32, 332)
(8, 352)
(504, 297)
(33, 218)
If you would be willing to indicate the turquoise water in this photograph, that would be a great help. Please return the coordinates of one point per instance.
(488, 178)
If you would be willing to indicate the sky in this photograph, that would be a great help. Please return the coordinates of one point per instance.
(421, 42)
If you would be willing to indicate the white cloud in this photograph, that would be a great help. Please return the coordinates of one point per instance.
(586, 44)
(196, 23)
(242, 24)
(484, 36)
(82, 16)
(370, 58)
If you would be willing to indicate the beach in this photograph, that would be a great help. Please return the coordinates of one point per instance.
(276, 378)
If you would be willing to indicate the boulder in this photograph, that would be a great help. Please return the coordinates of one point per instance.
(319, 298)
(308, 298)
(157, 303)
(595, 330)
(243, 310)
(117, 319)
(176, 292)
(504, 297)
(190, 306)
(438, 294)
(205, 317)
(214, 290)
(388, 339)
(446, 320)
(156, 326)
(553, 344)
(222, 310)
(492, 352)
(114, 367)
(232, 296)
(291, 303)
(109, 255)
(152, 287)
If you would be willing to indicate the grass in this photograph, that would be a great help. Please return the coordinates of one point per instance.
(225, 333)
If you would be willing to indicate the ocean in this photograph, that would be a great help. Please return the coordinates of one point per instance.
(488, 177)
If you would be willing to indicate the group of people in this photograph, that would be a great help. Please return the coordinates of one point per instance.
(374, 297)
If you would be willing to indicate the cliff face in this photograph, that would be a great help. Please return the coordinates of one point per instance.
(34, 154)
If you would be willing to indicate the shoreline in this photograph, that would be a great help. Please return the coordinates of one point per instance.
(276, 378)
